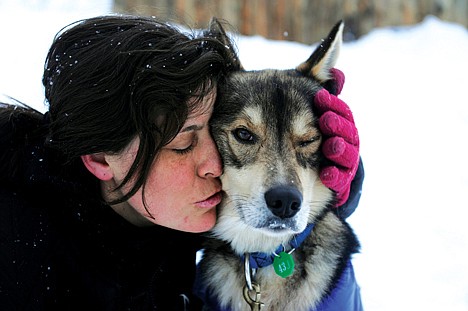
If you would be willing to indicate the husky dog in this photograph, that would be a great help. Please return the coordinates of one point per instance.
(275, 207)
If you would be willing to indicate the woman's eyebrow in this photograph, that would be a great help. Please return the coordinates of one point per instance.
(194, 127)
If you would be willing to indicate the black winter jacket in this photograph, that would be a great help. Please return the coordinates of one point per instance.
(61, 248)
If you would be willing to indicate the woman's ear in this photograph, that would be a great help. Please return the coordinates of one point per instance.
(96, 163)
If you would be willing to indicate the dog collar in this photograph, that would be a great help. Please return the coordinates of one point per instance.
(260, 260)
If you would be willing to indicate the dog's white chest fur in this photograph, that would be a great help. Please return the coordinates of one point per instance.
(315, 265)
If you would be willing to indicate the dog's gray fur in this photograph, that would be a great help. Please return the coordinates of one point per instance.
(266, 130)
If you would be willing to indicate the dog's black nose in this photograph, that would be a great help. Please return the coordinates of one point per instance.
(283, 201)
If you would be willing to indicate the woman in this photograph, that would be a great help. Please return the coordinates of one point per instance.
(101, 199)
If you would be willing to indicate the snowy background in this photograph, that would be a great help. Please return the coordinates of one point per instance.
(407, 87)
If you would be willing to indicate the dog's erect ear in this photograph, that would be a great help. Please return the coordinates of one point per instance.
(216, 30)
(325, 55)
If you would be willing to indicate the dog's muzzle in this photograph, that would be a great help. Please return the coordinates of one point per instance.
(283, 201)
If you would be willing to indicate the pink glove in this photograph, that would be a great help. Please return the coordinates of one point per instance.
(341, 139)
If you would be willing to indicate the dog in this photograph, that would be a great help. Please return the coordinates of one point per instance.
(275, 207)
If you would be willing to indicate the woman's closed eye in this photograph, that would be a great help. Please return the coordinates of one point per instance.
(184, 150)
(184, 144)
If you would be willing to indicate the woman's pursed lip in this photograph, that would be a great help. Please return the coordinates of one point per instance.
(212, 201)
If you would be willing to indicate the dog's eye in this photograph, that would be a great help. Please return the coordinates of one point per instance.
(308, 142)
(244, 136)
(305, 143)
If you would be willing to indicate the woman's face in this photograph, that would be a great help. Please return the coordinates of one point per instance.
(183, 187)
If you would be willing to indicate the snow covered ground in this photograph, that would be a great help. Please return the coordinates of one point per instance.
(407, 87)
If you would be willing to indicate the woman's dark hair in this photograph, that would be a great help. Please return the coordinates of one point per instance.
(110, 79)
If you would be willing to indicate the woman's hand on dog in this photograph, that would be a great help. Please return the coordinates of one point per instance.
(341, 139)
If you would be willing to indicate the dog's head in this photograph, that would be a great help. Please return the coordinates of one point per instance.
(267, 134)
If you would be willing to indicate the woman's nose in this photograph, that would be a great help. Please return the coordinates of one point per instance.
(210, 165)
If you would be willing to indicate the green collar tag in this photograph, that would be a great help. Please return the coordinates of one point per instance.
(283, 264)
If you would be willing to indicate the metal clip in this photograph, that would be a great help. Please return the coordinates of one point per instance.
(255, 304)
(248, 271)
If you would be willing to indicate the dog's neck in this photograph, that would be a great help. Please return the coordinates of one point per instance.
(260, 259)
